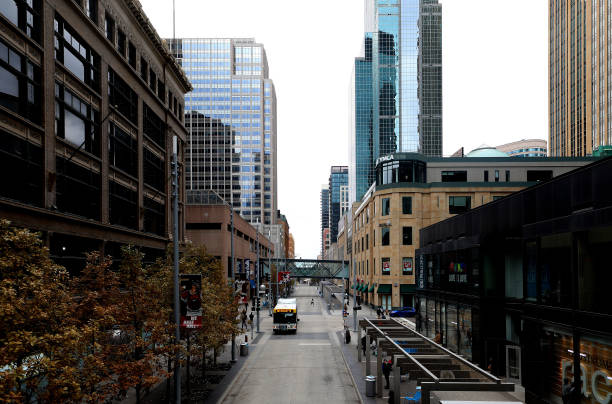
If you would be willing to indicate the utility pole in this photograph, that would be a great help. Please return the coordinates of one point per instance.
(233, 276)
(175, 237)
(258, 270)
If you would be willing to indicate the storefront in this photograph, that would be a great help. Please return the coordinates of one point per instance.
(384, 292)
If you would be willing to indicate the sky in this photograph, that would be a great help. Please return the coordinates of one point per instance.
(494, 79)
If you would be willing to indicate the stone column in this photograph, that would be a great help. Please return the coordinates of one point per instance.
(367, 355)
(396, 378)
(379, 375)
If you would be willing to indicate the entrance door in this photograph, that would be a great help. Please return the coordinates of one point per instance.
(513, 362)
(386, 302)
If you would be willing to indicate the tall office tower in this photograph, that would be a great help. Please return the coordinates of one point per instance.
(580, 88)
(337, 179)
(396, 88)
(324, 215)
(231, 119)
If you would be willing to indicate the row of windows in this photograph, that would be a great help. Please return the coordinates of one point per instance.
(363, 244)
(386, 267)
(25, 14)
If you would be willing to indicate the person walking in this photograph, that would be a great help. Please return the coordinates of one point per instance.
(363, 345)
(386, 369)
(251, 316)
(312, 302)
(378, 311)
(243, 317)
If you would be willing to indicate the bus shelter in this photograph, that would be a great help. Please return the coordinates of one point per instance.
(421, 360)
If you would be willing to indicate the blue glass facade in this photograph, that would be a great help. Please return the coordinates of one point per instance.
(337, 179)
(397, 86)
(231, 89)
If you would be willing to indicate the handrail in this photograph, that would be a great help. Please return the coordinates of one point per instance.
(452, 354)
(403, 352)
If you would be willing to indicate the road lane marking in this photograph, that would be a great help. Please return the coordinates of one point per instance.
(322, 343)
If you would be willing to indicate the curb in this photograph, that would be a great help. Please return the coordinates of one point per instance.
(348, 369)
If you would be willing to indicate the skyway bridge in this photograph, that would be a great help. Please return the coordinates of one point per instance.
(308, 268)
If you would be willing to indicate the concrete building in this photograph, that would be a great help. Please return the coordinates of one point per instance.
(324, 216)
(208, 223)
(231, 119)
(396, 88)
(525, 148)
(338, 181)
(412, 191)
(522, 285)
(579, 89)
(90, 101)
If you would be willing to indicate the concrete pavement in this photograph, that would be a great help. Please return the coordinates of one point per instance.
(303, 368)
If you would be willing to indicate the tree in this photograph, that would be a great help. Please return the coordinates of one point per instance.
(38, 337)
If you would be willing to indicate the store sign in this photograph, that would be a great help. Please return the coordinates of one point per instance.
(407, 266)
(595, 370)
(457, 272)
(421, 275)
(191, 300)
(386, 267)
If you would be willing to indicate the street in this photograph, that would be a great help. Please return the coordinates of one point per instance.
(303, 368)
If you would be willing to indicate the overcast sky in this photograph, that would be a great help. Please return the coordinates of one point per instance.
(494, 79)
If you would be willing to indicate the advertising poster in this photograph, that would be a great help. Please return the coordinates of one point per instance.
(386, 266)
(191, 300)
(407, 266)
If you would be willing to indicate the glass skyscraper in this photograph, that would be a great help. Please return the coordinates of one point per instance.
(397, 86)
(338, 178)
(231, 119)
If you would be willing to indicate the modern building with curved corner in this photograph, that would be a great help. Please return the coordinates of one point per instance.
(525, 148)
(412, 191)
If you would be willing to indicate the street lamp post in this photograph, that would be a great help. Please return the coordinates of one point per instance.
(354, 301)
(233, 279)
(258, 270)
(175, 241)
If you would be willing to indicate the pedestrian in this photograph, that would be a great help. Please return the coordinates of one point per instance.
(386, 369)
(243, 317)
(391, 399)
(347, 336)
(565, 391)
(378, 312)
(312, 302)
(363, 345)
(251, 316)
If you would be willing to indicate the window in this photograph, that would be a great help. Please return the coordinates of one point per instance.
(122, 205)
(486, 176)
(367, 241)
(459, 204)
(77, 189)
(122, 150)
(20, 156)
(154, 216)
(386, 266)
(385, 233)
(539, 175)
(132, 55)
(454, 176)
(76, 121)
(152, 80)
(154, 172)
(386, 206)
(19, 84)
(407, 266)
(406, 235)
(406, 205)
(91, 8)
(497, 197)
(153, 126)
(144, 70)
(161, 91)
(121, 42)
(496, 175)
(121, 95)
(507, 175)
(76, 55)
(24, 14)
(109, 28)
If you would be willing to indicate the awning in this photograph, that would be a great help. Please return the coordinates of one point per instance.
(407, 289)
(365, 287)
(360, 288)
(384, 288)
(353, 287)
(371, 288)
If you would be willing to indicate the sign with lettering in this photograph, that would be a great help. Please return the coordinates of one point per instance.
(191, 300)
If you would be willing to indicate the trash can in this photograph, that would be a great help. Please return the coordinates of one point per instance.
(370, 386)
(244, 349)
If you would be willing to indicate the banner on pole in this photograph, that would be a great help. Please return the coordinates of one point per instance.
(191, 300)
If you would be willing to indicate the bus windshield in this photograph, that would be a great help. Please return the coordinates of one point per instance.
(284, 318)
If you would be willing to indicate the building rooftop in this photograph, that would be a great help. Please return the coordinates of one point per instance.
(486, 151)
